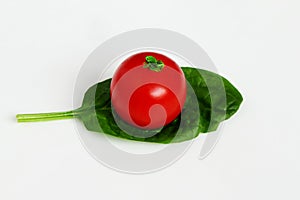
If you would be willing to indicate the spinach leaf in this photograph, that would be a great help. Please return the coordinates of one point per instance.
(210, 100)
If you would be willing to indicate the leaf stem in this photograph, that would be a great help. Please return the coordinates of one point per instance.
(39, 117)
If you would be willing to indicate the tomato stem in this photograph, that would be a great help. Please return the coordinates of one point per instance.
(153, 64)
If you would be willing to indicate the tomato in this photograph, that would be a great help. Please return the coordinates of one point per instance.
(148, 90)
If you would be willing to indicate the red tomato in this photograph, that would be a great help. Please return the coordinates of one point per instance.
(148, 90)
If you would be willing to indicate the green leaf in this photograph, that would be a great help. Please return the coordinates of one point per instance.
(210, 100)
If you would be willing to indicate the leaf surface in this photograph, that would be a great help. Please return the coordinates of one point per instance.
(210, 100)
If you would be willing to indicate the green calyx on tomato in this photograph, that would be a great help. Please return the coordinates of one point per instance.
(153, 64)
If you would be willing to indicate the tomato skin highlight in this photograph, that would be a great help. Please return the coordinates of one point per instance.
(146, 98)
(157, 100)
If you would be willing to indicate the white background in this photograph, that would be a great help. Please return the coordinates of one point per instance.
(255, 44)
